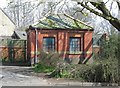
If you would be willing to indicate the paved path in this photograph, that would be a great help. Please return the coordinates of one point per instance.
(15, 76)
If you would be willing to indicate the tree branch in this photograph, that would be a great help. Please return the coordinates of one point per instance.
(95, 12)
(101, 6)
(105, 13)
(118, 5)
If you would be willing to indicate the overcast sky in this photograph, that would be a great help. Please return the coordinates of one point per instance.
(3, 3)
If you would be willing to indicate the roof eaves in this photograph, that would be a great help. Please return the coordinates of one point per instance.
(76, 29)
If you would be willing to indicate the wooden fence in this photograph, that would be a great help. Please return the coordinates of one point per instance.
(13, 51)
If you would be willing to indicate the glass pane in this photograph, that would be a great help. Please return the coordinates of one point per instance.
(74, 44)
(48, 44)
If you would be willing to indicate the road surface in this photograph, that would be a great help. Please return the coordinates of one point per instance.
(19, 76)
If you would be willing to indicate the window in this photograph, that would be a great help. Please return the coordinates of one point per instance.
(74, 45)
(49, 44)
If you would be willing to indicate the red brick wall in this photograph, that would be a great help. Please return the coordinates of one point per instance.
(14, 53)
(61, 42)
(31, 45)
(88, 45)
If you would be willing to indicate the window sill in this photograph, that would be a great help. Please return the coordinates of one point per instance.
(75, 52)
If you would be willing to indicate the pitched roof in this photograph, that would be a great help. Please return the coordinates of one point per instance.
(61, 21)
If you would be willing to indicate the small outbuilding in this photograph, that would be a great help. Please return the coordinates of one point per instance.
(19, 35)
(63, 34)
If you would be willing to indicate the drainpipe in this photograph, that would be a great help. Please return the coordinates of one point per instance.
(83, 48)
(36, 38)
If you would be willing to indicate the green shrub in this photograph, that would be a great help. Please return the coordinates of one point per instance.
(49, 59)
(40, 68)
(63, 70)
(47, 62)
(101, 71)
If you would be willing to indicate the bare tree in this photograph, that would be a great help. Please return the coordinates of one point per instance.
(20, 12)
(102, 11)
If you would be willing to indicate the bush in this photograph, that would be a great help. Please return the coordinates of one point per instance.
(49, 59)
(40, 68)
(100, 71)
(62, 70)
(47, 62)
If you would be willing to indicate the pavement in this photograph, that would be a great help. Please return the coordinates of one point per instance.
(24, 76)
(11, 76)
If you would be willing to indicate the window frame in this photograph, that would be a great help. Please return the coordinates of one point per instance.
(46, 47)
(79, 45)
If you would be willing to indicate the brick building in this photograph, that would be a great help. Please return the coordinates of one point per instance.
(69, 42)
